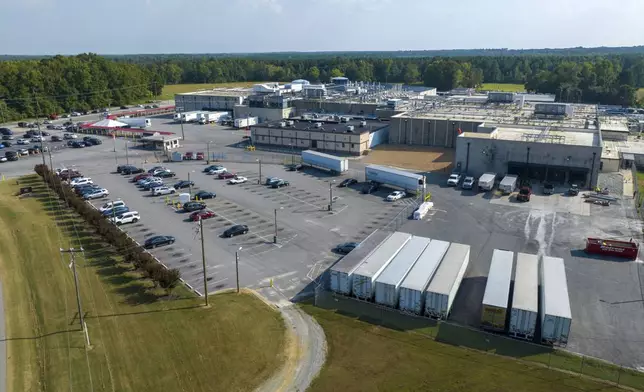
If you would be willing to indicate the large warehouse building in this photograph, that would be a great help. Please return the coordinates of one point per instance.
(215, 100)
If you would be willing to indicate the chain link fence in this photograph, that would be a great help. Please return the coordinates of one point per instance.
(638, 198)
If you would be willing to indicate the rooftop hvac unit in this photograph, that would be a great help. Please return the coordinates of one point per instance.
(290, 123)
(318, 125)
(282, 124)
(363, 124)
(350, 128)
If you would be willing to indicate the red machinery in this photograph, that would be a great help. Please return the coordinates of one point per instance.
(626, 249)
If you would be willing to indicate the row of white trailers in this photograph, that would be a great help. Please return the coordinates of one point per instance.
(413, 274)
(535, 280)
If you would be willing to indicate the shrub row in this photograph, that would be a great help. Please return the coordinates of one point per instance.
(128, 248)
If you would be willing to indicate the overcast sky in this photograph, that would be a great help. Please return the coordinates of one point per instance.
(214, 26)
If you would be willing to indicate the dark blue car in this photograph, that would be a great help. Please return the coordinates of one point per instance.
(116, 211)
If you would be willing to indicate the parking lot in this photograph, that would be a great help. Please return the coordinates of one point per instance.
(605, 295)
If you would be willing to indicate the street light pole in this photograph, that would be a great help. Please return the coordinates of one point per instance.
(72, 253)
(275, 235)
(260, 171)
(203, 261)
(38, 125)
(189, 186)
(237, 266)
(208, 150)
(330, 196)
(127, 158)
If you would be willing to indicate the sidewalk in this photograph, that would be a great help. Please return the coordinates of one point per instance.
(628, 183)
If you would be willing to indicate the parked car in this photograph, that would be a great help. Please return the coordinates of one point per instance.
(116, 211)
(22, 142)
(548, 188)
(132, 170)
(454, 179)
(212, 167)
(226, 175)
(56, 138)
(93, 141)
(80, 181)
(141, 177)
(83, 189)
(396, 195)
(369, 188)
(188, 156)
(69, 136)
(293, 167)
(192, 206)
(78, 145)
(156, 168)
(23, 151)
(111, 204)
(280, 183)
(272, 181)
(184, 184)
(166, 174)
(346, 247)
(7, 143)
(22, 124)
(574, 190)
(202, 195)
(128, 217)
(97, 194)
(468, 183)
(6, 131)
(347, 182)
(201, 215)
(200, 156)
(524, 193)
(44, 133)
(3, 159)
(163, 190)
(7, 137)
(36, 139)
(11, 155)
(152, 184)
(158, 240)
(235, 230)
(147, 180)
(237, 180)
(217, 170)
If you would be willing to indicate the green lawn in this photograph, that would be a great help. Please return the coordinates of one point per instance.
(509, 87)
(140, 340)
(364, 356)
(170, 90)
(640, 94)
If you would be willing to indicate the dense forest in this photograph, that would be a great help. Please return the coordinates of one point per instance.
(91, 81)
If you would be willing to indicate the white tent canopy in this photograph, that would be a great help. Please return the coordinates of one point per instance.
(109, 124)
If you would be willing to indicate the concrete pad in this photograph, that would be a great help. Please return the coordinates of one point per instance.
(550, 203)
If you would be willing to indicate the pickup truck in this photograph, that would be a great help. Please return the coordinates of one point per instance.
(454, 179)
(574, 190)
(524, 194)
(548, 189)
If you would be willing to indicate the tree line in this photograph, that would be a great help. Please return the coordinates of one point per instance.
(88, 81)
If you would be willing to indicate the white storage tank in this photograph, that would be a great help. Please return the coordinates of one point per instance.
(412, 289)
(341, 272)
(369, 270)
(388, 283)
(525, 298)
(443, 288)
(556, 317)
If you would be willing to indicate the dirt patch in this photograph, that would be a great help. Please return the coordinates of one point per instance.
(412, 157)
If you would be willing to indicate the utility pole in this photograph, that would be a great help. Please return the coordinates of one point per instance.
(127, 159)
(260, 171)
(330, 196)
(208, 150)
(72, 265)
(116, 159)
(189, 186)
(183, 135)
(275, 235)
(203, 261)
(237, 266)
(38, 125)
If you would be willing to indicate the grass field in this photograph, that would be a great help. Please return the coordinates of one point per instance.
(170, 90)
(363, 356)
(139, 341)
(509, 87)
(640, 94)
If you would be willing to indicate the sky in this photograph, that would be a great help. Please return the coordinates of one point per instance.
(47, 27)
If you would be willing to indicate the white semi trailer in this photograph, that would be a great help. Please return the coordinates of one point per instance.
(402, 179)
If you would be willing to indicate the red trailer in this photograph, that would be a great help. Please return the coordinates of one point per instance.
(626, 249)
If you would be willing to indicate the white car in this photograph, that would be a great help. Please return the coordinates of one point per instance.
(97, 194)
(454, 179)
(69, 136)
(36, 139)
(81, 181)
(468, 182)
(218, 170)
(3, 159)
(237, 180)
(75, 114)
(396, 195)
(22, 141)
(112, 204)
(127, 217)
(163, 190)
(23, 151)
(47, 122)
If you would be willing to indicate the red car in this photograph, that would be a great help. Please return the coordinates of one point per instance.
(141, 176)
(226, 175)
(188, 156)
(53, 116)
(200, 156)
(203, 214)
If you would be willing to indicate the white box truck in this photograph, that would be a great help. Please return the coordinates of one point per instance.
(497, 291)
(388, 283)
(556, 317)
(443, 288)
(190, 116)
(244, 122)
(412, 289)
(325, 161)
(508, 184)
(408, 181)
(211, 117)
(525, 298)
(369, 270)
(136, 122)
(341, 272)
(486, 181)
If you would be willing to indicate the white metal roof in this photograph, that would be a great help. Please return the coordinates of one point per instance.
(497, 289)
(448, 270)
(383, 255)
(526, 283)
(349, 262)
(555, 287)
(422, 272)
(404, 261)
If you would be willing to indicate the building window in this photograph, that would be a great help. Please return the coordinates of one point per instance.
(342, 145)
(353, 145)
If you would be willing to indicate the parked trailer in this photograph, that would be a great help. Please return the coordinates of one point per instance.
(486, 181)
(136, 122)
(497, 291)
(525, 298)
(245, 122)
(370, 269)
(412, 289)
(388, 283)
(508, 184)
(211, 117)
(442, 290)
(341, 272)
(627, 249)
(556, 317)
(405, 180)
(325, 161)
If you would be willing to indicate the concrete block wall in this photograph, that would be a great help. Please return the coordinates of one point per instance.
(428, 132)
